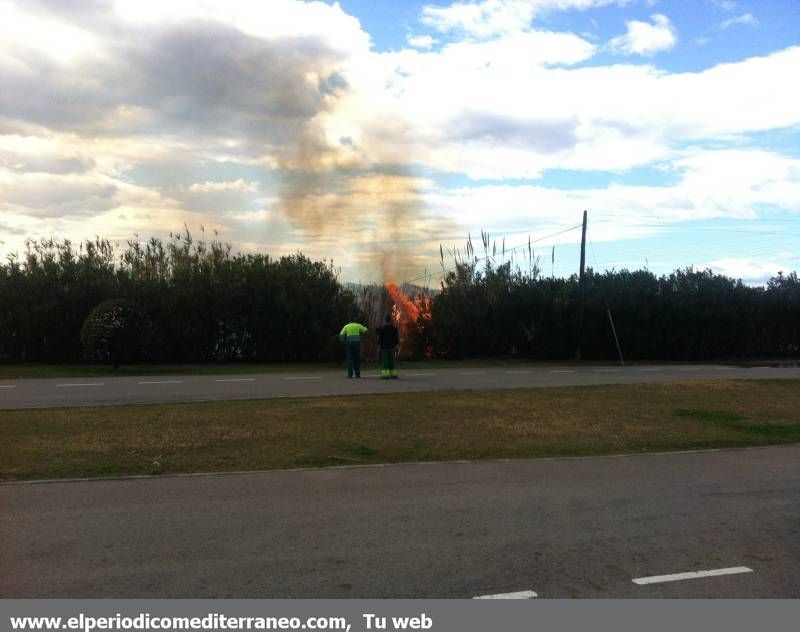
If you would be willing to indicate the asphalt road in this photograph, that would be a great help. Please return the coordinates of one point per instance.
(40, 393)
(558, 528)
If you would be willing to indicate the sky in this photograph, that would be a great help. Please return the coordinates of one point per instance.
(370, 133)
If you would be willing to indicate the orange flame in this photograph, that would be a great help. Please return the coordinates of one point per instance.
(407, 311)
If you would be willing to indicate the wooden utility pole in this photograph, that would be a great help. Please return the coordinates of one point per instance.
(581, 289)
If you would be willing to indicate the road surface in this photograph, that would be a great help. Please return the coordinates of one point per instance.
(554, 527)
(40, 393)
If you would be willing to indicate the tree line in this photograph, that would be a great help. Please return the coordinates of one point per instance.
(689, 314)
(201, 302)
(196, 301)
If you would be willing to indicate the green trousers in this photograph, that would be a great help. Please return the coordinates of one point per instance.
(387, 364)
(353, 359)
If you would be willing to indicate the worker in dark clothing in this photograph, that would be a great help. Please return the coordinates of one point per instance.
(388, 339)
(351, 336)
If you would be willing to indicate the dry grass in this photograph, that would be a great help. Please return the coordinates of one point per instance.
(266, 434)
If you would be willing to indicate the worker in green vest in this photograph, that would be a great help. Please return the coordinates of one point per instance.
(351, 336)
(388, 339)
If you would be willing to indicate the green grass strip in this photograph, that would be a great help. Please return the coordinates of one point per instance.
(348, 430)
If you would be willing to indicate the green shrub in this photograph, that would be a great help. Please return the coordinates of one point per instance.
(115, 330)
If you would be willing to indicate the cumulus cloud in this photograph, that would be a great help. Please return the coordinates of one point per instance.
(644, 38)
(249, 83)
(421, 41)
(213, 73)
(278, 123)
(52, 195)
(486, 122)
(711, 184)
(749, 270)
(34, 154)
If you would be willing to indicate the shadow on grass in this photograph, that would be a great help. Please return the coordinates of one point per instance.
(734, 421)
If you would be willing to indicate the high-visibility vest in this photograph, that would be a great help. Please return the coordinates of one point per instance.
(351, 332)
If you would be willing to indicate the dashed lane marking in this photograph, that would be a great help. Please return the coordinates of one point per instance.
(420, 374)
(516, 372)
(83, 384)
(657, 579)
(162, 382)
(304, 377)
(564, 371)
(607, 370)
(472, 373)
(523, 594)
(7, 386)
(238, 379)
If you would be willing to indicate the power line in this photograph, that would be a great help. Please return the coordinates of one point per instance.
(684, 219)
(492, 256)
(691, 246)
(713, 229)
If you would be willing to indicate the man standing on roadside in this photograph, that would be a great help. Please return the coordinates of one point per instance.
(351, 336)
(388, 339)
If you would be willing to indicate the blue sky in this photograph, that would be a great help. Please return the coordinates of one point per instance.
(371, 132)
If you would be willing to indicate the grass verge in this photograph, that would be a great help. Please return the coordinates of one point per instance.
(324, 431)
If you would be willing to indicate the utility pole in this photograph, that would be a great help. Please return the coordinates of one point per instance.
(581, 289)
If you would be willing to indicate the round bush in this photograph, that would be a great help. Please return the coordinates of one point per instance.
(114, 331)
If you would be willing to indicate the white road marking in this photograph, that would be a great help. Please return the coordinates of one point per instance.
(84, 384)
(761, 368)
(472, 373)
(163, 382)
(607, 370)
(309, 377)
(420, 374)
(565, 371)
(516, 372)
(238, 379)
(7, 386)
(523, 594)
(724, 368)
(656, 579)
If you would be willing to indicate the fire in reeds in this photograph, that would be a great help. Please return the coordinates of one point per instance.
(411, 315)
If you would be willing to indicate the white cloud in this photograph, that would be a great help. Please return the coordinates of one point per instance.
(501, 114)
(421, 41)
(32, 154)
(483, 19)
(239, 185)
(489, 18)
(275, 19)
(23, 34)
(711, 184)
(295, 90)
(749, 270)
(747, 19)
(725, 5)
(644, 38)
